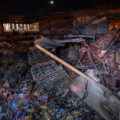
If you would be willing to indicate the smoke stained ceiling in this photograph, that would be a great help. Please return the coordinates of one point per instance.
(35, 7)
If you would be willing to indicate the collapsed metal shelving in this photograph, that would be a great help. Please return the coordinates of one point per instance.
(45, 71)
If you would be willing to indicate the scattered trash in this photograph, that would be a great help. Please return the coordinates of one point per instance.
(39, 88)
(28, 100)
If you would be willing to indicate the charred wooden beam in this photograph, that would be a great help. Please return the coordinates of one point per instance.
(48, 43)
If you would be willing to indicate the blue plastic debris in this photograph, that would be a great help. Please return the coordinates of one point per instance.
(81, 109)
(79, 118)
(39, 98)
(14, 106)
(27, 106)
(62, 111)
(19, 112)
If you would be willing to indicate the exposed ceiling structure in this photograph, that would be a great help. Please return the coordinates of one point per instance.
(35, 7)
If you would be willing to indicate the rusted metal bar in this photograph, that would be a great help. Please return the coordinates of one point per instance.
(77, 40)
(80, 36)
(101, 78)
(100, 46)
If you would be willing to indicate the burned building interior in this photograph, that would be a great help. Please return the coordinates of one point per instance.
(60, 60)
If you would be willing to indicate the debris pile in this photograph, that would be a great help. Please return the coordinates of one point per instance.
(12, 44)
(21, 97)
(102, 55)
(38, 87)
(45, 104)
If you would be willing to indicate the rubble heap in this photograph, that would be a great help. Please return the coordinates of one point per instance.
(102, 55)
(23, 98)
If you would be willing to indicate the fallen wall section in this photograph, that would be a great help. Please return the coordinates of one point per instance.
(98, 97)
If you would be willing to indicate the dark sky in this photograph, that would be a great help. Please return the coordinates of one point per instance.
(31, 7)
